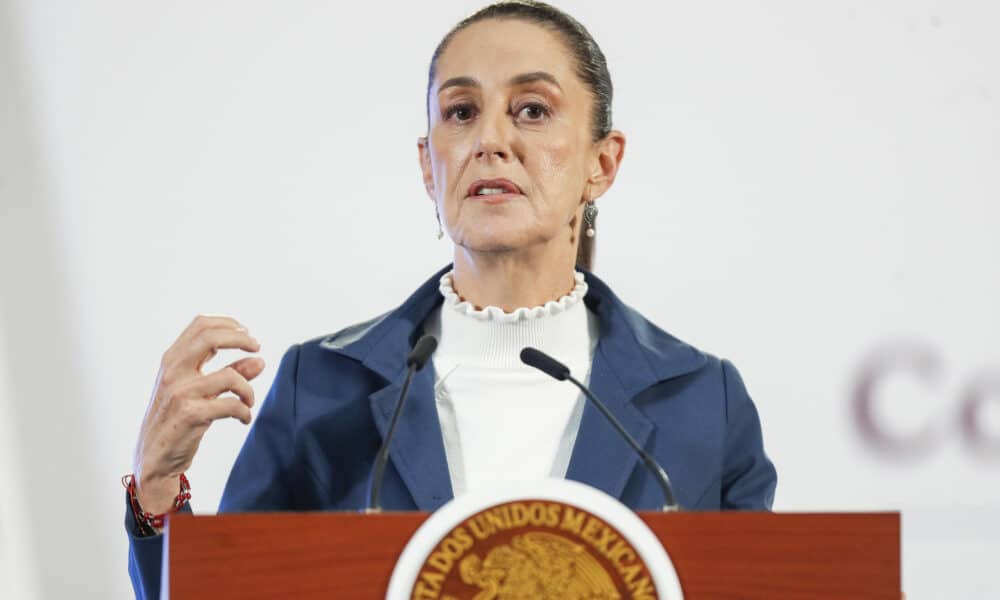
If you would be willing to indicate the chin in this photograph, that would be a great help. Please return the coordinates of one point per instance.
(489, 246)
(493, 241)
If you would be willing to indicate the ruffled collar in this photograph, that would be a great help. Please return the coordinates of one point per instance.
(452, 301)
(492, 338)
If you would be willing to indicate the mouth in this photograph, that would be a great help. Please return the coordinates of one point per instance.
(494, 189)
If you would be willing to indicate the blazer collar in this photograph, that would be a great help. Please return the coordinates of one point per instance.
(632, 355)
(382, 344)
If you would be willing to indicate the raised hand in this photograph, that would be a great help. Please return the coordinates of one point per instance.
(186, 401)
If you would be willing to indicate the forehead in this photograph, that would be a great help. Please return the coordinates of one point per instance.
(496, 50)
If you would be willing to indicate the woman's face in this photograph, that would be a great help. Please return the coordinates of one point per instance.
(509, 158)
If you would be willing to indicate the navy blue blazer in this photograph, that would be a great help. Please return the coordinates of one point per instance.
(312, 444)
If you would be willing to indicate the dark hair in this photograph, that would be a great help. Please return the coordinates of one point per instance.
(591, 68)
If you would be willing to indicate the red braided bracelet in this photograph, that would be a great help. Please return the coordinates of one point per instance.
(147, 522)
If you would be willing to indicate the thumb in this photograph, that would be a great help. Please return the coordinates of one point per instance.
(249, 367)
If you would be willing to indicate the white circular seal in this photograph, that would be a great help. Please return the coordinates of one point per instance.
(412, 577)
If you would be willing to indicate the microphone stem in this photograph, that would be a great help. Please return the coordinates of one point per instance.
(669, 504)
(375, 485)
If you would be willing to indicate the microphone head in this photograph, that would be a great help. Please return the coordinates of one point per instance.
(534, 357)
(422, 350)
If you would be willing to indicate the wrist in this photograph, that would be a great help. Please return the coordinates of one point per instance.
(156, 494)
(150, 516)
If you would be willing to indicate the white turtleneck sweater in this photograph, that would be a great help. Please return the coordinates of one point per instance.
(502, 420)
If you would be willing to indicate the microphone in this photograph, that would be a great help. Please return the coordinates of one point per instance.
(422, 350)
(415, 361)
(555, 369)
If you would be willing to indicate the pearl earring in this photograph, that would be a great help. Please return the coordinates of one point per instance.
(440, 233)
(590, 218)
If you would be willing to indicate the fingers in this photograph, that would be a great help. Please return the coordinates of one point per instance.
(197, 402)
(202, 322)
(249, 367)
(223, 380)
(200, 348)
(227, 406)
(199, 413)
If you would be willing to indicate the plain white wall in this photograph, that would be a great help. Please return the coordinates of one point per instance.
(805, 183)
(18, 571)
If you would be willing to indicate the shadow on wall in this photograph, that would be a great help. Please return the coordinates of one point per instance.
(46, 395)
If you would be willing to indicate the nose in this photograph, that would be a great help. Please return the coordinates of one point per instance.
(487, 151)
(494, 138)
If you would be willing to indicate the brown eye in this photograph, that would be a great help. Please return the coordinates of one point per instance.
(460, 112)
(533, 112)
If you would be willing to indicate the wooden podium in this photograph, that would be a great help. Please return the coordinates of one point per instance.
(717, 555)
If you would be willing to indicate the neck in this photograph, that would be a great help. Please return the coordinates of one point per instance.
(511, 280)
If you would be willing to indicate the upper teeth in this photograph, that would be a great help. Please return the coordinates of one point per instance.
(486, 190)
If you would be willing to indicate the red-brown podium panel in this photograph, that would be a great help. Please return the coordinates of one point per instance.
(743, 555)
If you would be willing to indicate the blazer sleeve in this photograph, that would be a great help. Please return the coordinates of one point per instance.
(145, 555)
(261, 478)
(748, 475)
(258, 480)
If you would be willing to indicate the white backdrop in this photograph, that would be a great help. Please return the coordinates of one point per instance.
(806, 185)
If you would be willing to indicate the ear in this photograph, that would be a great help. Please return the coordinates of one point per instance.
(424, 150)
(610, 151)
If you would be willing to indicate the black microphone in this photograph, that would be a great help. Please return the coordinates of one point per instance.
(415, 361)
(553, 368)
(422, 350)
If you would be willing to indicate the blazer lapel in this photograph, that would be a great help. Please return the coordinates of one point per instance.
(631, 356)
(417, 449)
(605, 460)
(381, 345)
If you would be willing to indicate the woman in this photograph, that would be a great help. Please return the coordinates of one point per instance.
(519, 147)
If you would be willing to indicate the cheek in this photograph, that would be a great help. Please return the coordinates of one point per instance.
(448, 154)
(556, 171)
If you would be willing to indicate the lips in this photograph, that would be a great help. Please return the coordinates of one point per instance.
(486, 187)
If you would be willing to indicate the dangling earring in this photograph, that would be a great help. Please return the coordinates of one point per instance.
(590, 218)
(440, 233)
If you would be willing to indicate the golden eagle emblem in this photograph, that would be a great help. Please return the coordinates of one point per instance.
(538, 565)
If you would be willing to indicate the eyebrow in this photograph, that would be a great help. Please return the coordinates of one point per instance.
(522, 79)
